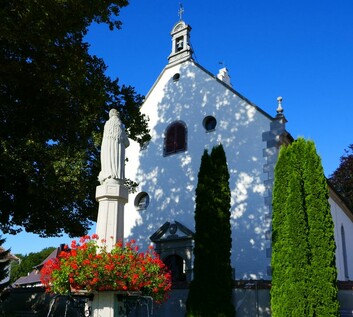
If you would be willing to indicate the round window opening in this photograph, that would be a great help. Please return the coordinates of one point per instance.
(209, 123)
(142, 201)
(176, 77)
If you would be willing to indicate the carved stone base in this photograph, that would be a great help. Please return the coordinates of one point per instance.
(113, 304)
(105, 304)
(110, 221)
(112, 191)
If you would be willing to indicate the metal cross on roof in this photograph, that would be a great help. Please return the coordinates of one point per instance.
(180, 11)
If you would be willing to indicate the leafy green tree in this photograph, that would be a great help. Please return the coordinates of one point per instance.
(211, 289)
(303, 247)
(54, 100)
(28, 262)
(342, 177)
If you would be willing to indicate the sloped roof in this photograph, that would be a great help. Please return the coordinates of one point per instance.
(9, 256)
(52, 255)
(34, 276)
(337, 197)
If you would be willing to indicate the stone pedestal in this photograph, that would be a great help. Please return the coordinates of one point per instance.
(110, 221)
(105, 304)
(114, 303)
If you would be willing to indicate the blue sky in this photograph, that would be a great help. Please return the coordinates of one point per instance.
(301, 50)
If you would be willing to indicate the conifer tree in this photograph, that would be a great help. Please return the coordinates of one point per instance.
(289, 239)
(303, 247)
(4, 264)
(211, 289)
(323, 274)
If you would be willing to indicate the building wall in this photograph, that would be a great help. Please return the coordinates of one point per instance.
(171, 180)
(343, 235)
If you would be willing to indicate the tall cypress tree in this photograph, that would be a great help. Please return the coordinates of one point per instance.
(323, 275)
(198, 293)
(289, 246)
(211, 289)
(279, 233)
(303, 257)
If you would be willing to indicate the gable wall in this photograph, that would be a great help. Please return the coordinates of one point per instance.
(171, 181)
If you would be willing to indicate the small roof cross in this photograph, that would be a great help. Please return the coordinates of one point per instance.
(180, 11)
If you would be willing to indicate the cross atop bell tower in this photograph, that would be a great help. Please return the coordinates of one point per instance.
(181, 49)
(180, 11)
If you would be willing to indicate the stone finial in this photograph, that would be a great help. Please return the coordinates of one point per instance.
(223, 75)
(279, 107)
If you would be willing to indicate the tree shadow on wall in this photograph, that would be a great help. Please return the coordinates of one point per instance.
(171, 180)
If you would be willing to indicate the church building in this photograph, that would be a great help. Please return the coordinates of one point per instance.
(190, 110)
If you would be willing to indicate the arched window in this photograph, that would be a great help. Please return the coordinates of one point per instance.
(344, 252)
(175, 138)
(176, 265)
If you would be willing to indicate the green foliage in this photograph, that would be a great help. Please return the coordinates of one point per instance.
(323, 274)
(289, 242)
(342, 177)
(4, 264)
(28, 262)
(54, 100)
(211, 289)
(303, 248)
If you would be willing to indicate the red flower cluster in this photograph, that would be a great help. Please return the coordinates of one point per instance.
(87, 266)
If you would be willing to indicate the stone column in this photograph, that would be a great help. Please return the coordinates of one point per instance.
(105, 304)
(111, 195)
(110, 221)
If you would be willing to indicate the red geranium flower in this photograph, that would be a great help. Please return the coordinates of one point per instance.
(91, 267)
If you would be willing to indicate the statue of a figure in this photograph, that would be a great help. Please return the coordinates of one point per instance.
(113, 150)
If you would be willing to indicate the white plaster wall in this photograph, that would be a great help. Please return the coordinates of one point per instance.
(171, 181)
(341, 219)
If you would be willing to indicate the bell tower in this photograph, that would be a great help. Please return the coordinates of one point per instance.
(181, 49)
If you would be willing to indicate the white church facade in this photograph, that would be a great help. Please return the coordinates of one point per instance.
(189, 110)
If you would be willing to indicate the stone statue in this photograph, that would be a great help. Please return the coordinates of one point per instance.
(113, 150)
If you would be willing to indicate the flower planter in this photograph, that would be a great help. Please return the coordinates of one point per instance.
(112, 276)
(110, 303)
